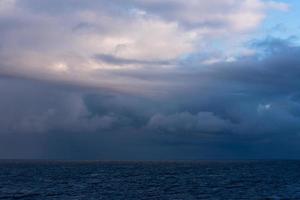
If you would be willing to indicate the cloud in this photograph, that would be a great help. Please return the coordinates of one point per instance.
(31, 109)
(201, 123)
(216, 14)
(58, 41)
(121, 61)
(277, 5)
(241, 109)
(6, 6)
(143, 79)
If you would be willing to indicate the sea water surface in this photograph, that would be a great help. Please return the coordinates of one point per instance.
(45, 180)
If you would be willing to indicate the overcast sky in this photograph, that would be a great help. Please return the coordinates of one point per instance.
(149, 79)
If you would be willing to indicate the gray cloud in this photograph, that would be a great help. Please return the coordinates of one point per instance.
(243, 109)
(201, 123)
(77, 83)
(121, 61)
(57, 40)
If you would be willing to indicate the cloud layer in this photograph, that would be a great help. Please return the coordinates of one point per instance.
(146, 80)
(73, 40)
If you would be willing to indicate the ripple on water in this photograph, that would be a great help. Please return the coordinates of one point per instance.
(150, 180)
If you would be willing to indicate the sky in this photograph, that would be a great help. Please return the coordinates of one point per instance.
(149, 79)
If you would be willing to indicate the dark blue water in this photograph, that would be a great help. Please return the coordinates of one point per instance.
(149, 180)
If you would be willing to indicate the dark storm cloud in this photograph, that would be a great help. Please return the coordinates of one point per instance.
(183, 109)
(231, 110)
(254, 92)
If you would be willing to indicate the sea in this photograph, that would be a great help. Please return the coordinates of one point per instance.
(170, 180)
